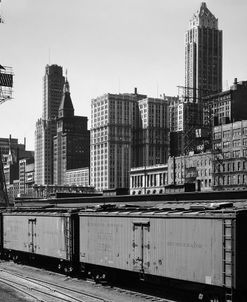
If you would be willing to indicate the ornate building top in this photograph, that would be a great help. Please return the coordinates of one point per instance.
(204, 18)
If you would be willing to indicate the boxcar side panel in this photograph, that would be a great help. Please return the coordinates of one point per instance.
(15, 235)
(106, 241)
(50, 237)
(187, 249)
(181, 248)
(43, 235)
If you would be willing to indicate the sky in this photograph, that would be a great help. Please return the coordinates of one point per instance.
(107, 46)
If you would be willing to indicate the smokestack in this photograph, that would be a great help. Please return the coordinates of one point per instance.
(25, 143)
(135, 90)
(235, 80)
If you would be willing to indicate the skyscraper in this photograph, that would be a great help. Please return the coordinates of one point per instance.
(72, 141)
(127, 130)
(151, 144)
(53, 82)
(203, 55)
(114, 119)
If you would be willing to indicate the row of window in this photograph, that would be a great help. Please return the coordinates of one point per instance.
(231, 180)
(229, 133)
(231, 167)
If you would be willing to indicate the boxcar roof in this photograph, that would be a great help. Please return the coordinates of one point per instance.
(201, 210)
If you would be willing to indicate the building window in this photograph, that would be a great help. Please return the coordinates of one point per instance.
(226, 144)
(226, 154)
(236, 132)
(217, 146)
(236, 153)
(236, 143)
(217, 135)
(226, 134)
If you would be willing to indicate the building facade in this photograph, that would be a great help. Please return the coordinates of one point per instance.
(16, 154)
(114, 120)
(151, 144)
(78, 177)
(230, 156)
(72, 140)
(127, 130)
(203, 55)
(192, 168)
(26, 177)
(53, 83)
(227, 106)
(148, 179)
(18, 149)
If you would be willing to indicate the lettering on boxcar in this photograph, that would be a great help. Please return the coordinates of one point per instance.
(194, 245)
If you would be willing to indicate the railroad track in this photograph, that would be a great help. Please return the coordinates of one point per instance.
(52, 292)
(45, 291)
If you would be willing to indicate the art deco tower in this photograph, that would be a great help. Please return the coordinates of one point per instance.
(203, 55)
(46, 127)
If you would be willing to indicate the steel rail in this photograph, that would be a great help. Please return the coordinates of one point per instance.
(10, 284)
(40, 281)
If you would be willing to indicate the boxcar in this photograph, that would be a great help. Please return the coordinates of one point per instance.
(45, 236)
(1, 233)
(201, 249)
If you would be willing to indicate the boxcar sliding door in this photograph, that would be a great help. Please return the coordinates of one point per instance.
(32, 235)
(141, 246)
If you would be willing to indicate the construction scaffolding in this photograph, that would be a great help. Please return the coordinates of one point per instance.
(6, 89)
(6, 83)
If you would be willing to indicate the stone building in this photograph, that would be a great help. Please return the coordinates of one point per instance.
(227, 106)
(77, 177)
(72, 140)
(114, 120)
(127, 131)
(192, 168)
(230, 156)
(148, 180)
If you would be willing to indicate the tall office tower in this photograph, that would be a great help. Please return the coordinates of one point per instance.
(151, 145)
(72, 142)
(46, 126)
(114, 118)
(203, 55)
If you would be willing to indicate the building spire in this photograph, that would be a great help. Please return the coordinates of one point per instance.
(66, 84)
(66, 108)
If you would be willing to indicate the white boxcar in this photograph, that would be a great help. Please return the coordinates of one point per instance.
(203, 247)
(44, 233)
